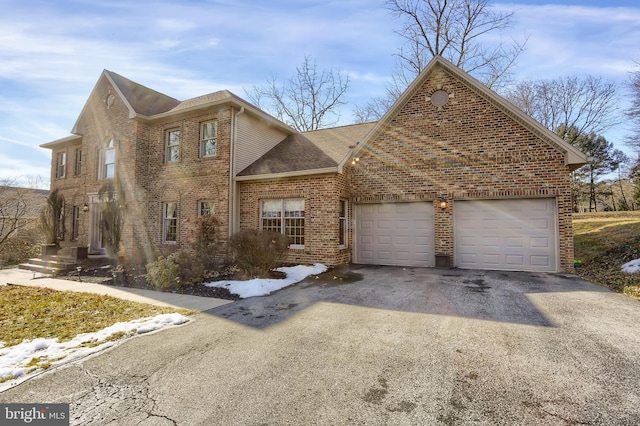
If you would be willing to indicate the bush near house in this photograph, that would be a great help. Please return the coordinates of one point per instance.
(18, 249)
(603, 243)
(257, 253)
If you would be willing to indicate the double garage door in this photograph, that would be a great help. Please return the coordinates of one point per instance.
(518, 235)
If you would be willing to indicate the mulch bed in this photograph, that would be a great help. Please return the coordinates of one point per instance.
(99, 273)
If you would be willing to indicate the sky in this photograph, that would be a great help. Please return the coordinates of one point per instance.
(52, 53)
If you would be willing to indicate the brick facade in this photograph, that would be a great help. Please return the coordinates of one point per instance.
(471, 147)
(322, 195)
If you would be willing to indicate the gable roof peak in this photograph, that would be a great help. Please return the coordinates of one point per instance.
(138, 98)
(574, 158)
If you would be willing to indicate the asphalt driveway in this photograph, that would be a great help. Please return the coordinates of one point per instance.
(375, 345)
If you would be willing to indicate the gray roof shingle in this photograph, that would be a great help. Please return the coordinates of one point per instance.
(143, 100)
(294, 153)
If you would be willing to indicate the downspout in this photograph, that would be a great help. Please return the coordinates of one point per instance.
(232, 171)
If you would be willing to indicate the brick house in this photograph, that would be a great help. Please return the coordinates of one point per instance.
(452, 175)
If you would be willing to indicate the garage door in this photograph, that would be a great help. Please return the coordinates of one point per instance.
(395, 234)
(513, 235)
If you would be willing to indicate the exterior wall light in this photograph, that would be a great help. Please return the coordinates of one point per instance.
(442, 202)
(85, 208)
(355, 161)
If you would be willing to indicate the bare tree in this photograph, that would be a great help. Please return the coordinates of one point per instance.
(52, 218)
(634, 110)
(584, 104)
(307, 101)
(13, 209)
(458, 31)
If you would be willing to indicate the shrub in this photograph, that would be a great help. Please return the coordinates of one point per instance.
(164, 273)
(18, 249)
(206, 241)
(175, 271)
(256, 253)
(191, 269)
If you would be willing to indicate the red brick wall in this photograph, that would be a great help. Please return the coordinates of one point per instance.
(321, 195)
(467, 150)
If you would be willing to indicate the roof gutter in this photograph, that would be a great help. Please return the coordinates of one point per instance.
(325, 170)
(229, 99)
(233, 193)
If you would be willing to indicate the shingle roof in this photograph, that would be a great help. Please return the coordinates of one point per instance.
(337, 142)
(142, 99)
(294, 153)
(202, 100)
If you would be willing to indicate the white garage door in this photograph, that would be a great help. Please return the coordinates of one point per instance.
(513, 235)
(398, 234)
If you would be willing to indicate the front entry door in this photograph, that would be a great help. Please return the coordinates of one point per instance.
(96, 243)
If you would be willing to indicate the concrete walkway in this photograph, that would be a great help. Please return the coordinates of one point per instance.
(26, 278)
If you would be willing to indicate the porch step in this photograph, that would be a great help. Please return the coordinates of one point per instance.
(52, 265)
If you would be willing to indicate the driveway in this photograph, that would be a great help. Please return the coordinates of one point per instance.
(374, 346)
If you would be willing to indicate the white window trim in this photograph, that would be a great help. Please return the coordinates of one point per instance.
(214, 139)
(344, 223)
(167, 147)
(102, 164)
(165, 220)
(78, 161)
(61, 166)
(282, 218)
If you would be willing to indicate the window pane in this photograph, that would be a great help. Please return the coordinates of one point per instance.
(170, 222)
(174, 138)
(109, 171)
(271, 208)
(110, 156)
(209, 149)
(209, 130)
(206, 208)
(294, 205)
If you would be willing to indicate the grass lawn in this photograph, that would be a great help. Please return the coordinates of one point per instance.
(30, 312)
(604, 242)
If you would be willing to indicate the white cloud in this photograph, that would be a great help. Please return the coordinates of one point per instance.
(174, 25)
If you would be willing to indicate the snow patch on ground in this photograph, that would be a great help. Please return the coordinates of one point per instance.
(631, 267)
(14, 360)
(264, 286)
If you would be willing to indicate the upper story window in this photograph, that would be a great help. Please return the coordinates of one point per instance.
(78, 165)
(172, 146)
(285, 216)
(205, 208)
(107, 161)
(209, 139)
(61, 164)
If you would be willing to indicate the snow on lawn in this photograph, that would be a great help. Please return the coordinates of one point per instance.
(14, 360)
(633, 266)
(263, 286)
